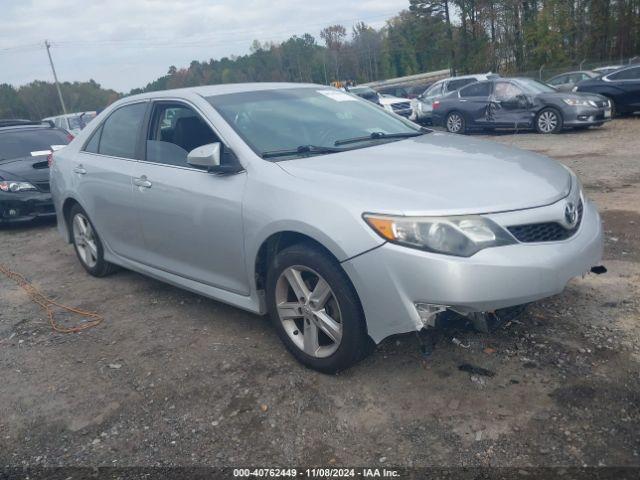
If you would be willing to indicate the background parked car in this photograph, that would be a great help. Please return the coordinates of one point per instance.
(72, 122)
(607, 69)
(367, 93)
(401, 106)
(422, 105)
(566, 81)
(519, 103)
(24, 169)
(395, 91)
(622, 87)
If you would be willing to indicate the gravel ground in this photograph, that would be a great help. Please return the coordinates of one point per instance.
(171, 378)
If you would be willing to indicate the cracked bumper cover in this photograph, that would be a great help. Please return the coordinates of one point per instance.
(392, 278)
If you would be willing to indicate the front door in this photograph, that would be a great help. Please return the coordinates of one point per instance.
(191, 219)
(509, 106)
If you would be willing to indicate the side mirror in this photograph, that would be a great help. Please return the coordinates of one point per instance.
(207, 156)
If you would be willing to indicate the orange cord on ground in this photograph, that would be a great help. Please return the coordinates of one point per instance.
(47, 304)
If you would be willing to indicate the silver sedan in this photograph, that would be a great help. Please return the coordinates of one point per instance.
(343, 222)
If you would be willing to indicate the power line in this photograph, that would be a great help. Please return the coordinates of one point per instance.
(222, 35)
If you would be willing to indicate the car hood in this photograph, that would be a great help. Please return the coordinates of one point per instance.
(436, 173)
(392, 100)
(571, 95)
(29, 169)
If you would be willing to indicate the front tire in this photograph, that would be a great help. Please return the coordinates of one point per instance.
(315, 309)
(455, 123)
(87, 243)
(549, 120)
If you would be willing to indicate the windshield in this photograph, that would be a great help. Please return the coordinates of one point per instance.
(27, 143)
(278, 120)
(534, 87)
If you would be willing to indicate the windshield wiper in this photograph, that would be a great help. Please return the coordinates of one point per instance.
(380, 136)
(300, 150)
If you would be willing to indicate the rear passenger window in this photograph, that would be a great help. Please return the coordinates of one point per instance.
(94, 141)
(482, 89)
(120, 132)
(456, 84)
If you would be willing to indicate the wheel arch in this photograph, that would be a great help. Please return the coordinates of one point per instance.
(275, 243)
(67, 205)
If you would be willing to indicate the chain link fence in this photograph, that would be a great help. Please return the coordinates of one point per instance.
(545, 72)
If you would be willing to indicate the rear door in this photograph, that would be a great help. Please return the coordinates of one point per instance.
(103, 171)
(191, 219)
(474, 101)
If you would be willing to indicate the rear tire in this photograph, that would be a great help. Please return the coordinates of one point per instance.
(455, 123)
(87, 243)
(549, 120)
(321, 324)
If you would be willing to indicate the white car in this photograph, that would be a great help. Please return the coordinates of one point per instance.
(72, 122)
(397, 105)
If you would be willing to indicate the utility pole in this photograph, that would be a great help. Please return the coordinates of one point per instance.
(55, 77)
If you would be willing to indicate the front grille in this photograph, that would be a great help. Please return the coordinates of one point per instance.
(401, 106)
(42, 186)
(545, 232)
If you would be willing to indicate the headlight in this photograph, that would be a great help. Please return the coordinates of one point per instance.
(574, 102)
(574, 89)
(462, 236)
(11, 186)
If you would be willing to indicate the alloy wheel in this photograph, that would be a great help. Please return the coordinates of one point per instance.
(454, 123)
(309, 311)
(84, 240)
(547, 121)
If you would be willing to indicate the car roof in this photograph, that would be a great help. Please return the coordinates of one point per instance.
(573, 72)
(17, 124)
(69, 115)
(227, 88)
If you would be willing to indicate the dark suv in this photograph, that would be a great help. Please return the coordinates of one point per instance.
(621, 86)
(24, 169)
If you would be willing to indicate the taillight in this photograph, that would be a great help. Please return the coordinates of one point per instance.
(50, 159)
(70, 137)
(436, 104)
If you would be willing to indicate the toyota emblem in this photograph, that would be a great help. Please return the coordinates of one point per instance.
(571, 214)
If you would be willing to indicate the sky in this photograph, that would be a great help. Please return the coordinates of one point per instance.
(123, 44)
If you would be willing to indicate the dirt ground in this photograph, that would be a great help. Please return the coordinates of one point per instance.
(171, 378)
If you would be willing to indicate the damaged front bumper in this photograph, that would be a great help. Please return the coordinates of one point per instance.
(402, 289)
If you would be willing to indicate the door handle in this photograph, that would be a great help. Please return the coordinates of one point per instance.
(142, 182)
(79, 169)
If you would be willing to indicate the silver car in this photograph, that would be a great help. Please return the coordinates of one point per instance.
(343, 222)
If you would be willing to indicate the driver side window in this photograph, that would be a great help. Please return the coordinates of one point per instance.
(507, 91)
(433, 90)
(175, 130)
